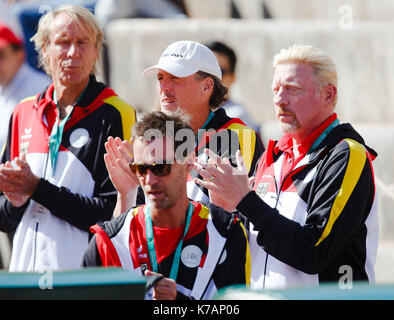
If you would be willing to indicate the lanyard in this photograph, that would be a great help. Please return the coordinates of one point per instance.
(211, 114)
(57, 132)
(201, 132)
(56, 136)
(323, 135)
(151, 243)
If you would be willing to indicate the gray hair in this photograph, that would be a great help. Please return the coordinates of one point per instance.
(80, 14)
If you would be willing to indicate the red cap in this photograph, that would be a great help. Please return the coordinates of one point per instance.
(7, 37)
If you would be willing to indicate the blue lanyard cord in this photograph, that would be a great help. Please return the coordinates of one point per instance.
(55, 139)
(200, 132)
(151, 242)
(210, 116)
(57, 132)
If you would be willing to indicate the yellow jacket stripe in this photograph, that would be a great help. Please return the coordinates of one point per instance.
(124, 108)
(247, 142)
(357, 158)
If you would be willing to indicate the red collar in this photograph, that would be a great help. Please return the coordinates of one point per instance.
(285, 144)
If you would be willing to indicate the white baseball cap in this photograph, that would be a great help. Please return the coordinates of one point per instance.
(184, 58)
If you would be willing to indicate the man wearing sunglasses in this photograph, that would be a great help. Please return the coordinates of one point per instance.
(191, 250)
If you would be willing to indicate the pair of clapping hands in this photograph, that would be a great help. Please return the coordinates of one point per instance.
(227, 185)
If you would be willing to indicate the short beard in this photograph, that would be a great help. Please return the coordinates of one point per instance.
(290, 127)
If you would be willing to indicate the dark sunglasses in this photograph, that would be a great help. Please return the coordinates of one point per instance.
(158, 169)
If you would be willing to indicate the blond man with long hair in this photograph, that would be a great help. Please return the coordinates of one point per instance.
(53, 179)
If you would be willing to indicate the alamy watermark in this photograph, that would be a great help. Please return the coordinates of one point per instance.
(222, 142)
(345, 17)
(46, 280)
(345, 281)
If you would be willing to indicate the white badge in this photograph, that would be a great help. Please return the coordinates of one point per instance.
(191, 256)
(79, 137)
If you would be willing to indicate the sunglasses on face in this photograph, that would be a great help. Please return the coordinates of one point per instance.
(158, 169)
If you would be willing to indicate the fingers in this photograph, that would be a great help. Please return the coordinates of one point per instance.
(240, 162)
(212, 156)
(223, 164)
(203, 183)
(150, 273)
(165, 289)
(110, 147)
(125, 150)
(118, 150)
(108, 162)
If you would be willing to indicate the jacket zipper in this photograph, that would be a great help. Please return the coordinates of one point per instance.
(35, 246)
(37, 223)
(278, 192)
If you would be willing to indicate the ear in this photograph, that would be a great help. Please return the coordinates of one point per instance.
(45, 53)
(207, 84)
(330, 92)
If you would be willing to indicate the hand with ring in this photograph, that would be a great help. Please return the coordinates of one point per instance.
(227, 185)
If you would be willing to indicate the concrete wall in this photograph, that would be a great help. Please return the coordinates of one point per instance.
(290, 9)
(364, 55)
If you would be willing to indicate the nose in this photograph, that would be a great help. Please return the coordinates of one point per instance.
(280, 98)
(150, 178)
(164, 85)
(72, 50)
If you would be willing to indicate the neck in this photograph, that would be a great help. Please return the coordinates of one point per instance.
(170, 218)
(299, 137)
(68, 95)
(196, 122)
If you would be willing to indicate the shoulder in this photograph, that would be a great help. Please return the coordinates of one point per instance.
(113, 226)
(118, 103)
(346, 150)
(125, 111)
(26, 105)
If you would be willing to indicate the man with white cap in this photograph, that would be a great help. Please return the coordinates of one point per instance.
(189, 79)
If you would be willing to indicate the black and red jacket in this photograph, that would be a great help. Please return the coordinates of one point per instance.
(319, 223)
(51, 230)
(215, 251)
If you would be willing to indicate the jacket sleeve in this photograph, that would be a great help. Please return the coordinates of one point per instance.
(234, 266)
(10, 216)
(82, 211)
(238, 255)
(341, 197)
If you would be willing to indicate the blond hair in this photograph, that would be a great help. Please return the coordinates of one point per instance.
(77, 13)
(323, 65)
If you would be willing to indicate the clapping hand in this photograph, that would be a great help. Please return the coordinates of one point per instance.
(227, 185)
(125, 182)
